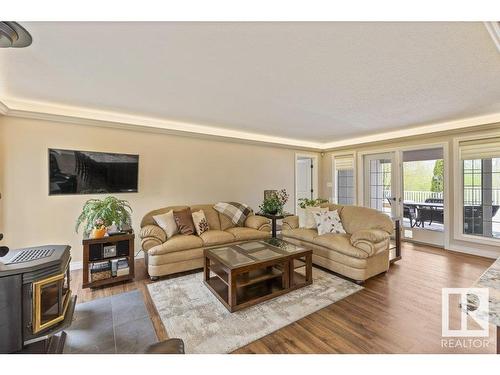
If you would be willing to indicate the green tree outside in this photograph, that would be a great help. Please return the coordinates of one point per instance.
(437, 183)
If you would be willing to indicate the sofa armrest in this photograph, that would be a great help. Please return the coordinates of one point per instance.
(371, 235)
(370, 241)
(258, 222)
(152, 235)
(290, 222)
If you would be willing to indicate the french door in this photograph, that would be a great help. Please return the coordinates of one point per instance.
(408, 184)
(381, 182)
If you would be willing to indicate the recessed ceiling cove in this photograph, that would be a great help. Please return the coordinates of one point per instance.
(315, 82)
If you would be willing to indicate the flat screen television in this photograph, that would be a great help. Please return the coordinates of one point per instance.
(89, 172)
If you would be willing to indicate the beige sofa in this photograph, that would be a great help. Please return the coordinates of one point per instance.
(360, 254)
(185, 252)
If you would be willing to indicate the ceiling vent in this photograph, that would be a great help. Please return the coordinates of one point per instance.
(494, 30)
(13, 35)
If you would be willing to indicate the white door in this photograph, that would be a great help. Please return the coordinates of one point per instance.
(304, 176)
(380, 177)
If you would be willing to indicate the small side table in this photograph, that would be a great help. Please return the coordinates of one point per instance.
(397, 240)
(273, 220)
(93, 251)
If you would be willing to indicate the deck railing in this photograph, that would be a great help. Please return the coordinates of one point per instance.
(471, 195)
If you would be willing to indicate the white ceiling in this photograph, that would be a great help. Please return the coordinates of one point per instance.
(315, 82)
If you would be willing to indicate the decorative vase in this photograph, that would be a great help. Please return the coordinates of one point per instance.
(113, 228)
(98, 232)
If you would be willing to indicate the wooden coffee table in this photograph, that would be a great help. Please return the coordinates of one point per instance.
(254, 271)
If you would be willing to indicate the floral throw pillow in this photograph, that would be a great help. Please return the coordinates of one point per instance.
(329, 222)
(200, 222)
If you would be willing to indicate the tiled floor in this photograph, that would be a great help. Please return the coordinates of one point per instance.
(116, 324)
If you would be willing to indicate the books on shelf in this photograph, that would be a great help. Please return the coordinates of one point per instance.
(122, 267)
(110, 268)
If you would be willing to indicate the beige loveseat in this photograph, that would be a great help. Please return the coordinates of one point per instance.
(359, 254)
(185, 252)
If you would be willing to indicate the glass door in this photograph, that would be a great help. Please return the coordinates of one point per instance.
(423, 203)
(50, 300)
(380, 190)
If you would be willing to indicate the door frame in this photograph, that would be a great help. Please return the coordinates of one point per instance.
(315, 176)
(395, 179)
(399, 153)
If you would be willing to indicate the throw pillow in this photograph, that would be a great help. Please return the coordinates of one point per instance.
(200, 222)
(329, 222)
(167, 223)
(237, 212)
(310, 220)
(184, 221)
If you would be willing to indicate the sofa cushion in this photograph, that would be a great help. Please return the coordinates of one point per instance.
(211, 215)
(244, 234)
(310, 221)
(216, 237)
(184, 221)
(200, 222)
(328, 222)
(167, 222)
(300, 234)
(225, 222)
(236, 211)
(177, 242)
(340, 243)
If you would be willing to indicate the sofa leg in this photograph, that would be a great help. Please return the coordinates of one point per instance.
(359, 282)
(154, 278)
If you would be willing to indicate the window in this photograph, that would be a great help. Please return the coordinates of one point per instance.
(344, 180)
(481, 187)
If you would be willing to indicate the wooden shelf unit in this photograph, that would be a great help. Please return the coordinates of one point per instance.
(126, 244)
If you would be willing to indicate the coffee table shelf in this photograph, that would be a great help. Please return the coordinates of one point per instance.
(252, 272)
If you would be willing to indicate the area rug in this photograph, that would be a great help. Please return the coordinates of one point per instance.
(191, 312)
(116, 324)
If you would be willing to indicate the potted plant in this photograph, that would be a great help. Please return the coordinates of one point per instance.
(98, 214)
(306, 202)
(303, 204)
(274, 203)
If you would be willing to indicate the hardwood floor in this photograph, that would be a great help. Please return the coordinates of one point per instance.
(397, 312)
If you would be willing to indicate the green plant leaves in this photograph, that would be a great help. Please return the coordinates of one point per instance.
(108, 209)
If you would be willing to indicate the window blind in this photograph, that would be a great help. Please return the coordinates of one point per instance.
(344, 162)
(480, 149)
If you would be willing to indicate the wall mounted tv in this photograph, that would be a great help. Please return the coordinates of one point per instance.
(88, 172)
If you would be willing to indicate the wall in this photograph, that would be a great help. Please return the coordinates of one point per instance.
(453, 244)
(173, 170)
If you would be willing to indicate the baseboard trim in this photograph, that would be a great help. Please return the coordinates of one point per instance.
(78, 265)
(476, 252)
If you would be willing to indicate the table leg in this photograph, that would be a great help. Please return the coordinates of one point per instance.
(231, 298)
(206, 268)
(498, 339)
(398, 238)
(273, 226)
(309, 268)
(287, 277)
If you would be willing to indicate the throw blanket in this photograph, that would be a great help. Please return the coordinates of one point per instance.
(237, 212)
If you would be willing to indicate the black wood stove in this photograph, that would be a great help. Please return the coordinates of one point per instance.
(36, 304)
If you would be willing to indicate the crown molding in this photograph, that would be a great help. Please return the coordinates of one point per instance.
(415, 131)
(85, 116)
(3, 109)
(90, 117)
(494, 30)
